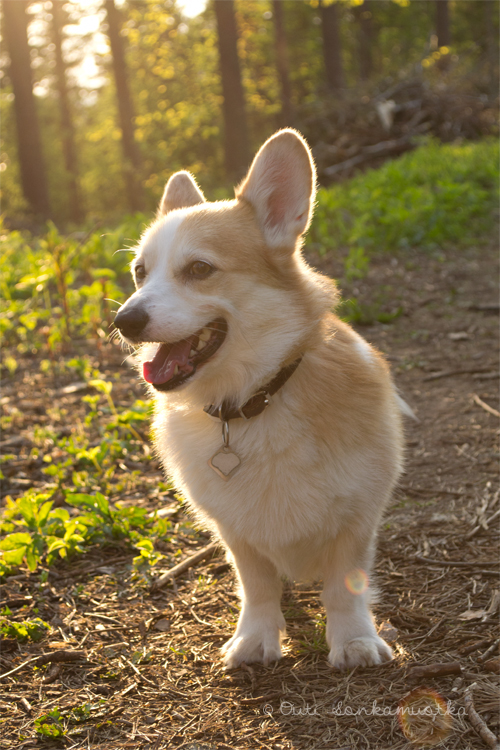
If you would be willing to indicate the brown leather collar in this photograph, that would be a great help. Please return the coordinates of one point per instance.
(258, 402)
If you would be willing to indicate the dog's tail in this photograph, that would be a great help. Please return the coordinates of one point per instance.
(406, 410)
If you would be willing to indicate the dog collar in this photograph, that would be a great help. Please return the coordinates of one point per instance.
(258, 402)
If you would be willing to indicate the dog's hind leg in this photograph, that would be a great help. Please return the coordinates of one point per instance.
(258, 634)
(350, 629)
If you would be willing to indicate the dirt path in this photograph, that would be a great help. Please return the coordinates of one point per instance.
(151, 677)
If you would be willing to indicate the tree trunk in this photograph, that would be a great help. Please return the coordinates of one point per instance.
(132, 159)
(443, 23)
(235, 122)
(282, 63)
(363, 15)
(331, 46)
(68, 131)
(491, 45)
(32, 167)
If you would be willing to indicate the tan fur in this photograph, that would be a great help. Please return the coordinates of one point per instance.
(319, 464)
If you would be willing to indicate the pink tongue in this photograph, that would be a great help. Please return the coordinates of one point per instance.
(161, 368)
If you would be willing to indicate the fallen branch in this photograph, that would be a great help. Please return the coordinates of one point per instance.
(495, 307)
(466, 650)
(490, 650)
(449, 373)
(434, 670)
(477, 722)
(457, 563)
(38, 661)
(378, 149)
(189, 562)
(424, 491)
(493, 665)
(485, 406)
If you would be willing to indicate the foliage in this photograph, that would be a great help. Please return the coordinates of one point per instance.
(428, 198)
(54, 533)
(50, 725)
(28, 630)
(55, 287)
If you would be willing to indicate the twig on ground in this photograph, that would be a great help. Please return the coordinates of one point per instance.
(475, 646)
(495, 307)
(189, 562)
(53, 674)
(261, 698)
(37, 661)
(425, 491)
(485, 406)
(478, 724)
(434, 670)
(449, 373)
(457, 563)
(488, 653)
(139, 674)
(493, 665)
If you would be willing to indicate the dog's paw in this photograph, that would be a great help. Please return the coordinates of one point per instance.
(364, 652)
(263, 647)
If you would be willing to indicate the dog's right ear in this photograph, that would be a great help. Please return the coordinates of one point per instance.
(281, 186)
(181, 191)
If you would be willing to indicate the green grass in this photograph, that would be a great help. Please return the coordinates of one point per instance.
(432, 197)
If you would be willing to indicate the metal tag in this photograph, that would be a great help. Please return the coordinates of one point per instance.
(225, 462)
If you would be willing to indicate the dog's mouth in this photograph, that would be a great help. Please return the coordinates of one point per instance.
(174, 364)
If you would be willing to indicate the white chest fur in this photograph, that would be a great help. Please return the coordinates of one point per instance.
(289, 490)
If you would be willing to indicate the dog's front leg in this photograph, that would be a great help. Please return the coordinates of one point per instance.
(350, 629)
(258, 634)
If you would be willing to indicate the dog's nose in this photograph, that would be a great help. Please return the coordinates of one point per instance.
(131, 322)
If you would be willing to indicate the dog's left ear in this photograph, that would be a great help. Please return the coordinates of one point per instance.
(281, 186)
(181, 191)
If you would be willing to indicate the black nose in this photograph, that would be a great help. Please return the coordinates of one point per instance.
(131, 322)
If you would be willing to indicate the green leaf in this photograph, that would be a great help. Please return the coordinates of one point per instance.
(13, 541)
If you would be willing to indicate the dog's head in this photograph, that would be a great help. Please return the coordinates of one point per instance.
(223, 295)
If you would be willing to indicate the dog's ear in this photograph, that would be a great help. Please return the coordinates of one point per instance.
(281, 186)
(181, 191)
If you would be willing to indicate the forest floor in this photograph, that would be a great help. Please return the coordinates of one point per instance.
(149, 673)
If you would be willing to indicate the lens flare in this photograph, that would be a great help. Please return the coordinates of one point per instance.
(424, 717)
(356, 581)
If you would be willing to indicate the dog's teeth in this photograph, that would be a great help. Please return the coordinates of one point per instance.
(205, 334)
(201, 344)
(176, 370)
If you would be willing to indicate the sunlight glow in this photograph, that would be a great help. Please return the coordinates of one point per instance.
(192, 8)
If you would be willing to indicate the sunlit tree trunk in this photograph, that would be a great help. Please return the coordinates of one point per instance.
(235, 121)
(331, 46)
(282, 63)
(132, 159)
(32, 167)
(68, 131)
(363, 14)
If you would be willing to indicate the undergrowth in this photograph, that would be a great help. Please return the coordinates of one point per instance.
(435, 196)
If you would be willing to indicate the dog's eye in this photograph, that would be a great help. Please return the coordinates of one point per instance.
(139, 272)
(199, 269)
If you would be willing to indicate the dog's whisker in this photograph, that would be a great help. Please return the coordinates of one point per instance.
(126, 250)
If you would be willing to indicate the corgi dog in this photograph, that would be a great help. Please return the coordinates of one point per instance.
(279, 424)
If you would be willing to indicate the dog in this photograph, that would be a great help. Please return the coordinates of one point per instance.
(279, 424)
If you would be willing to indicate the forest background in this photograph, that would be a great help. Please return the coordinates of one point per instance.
(102, 100)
